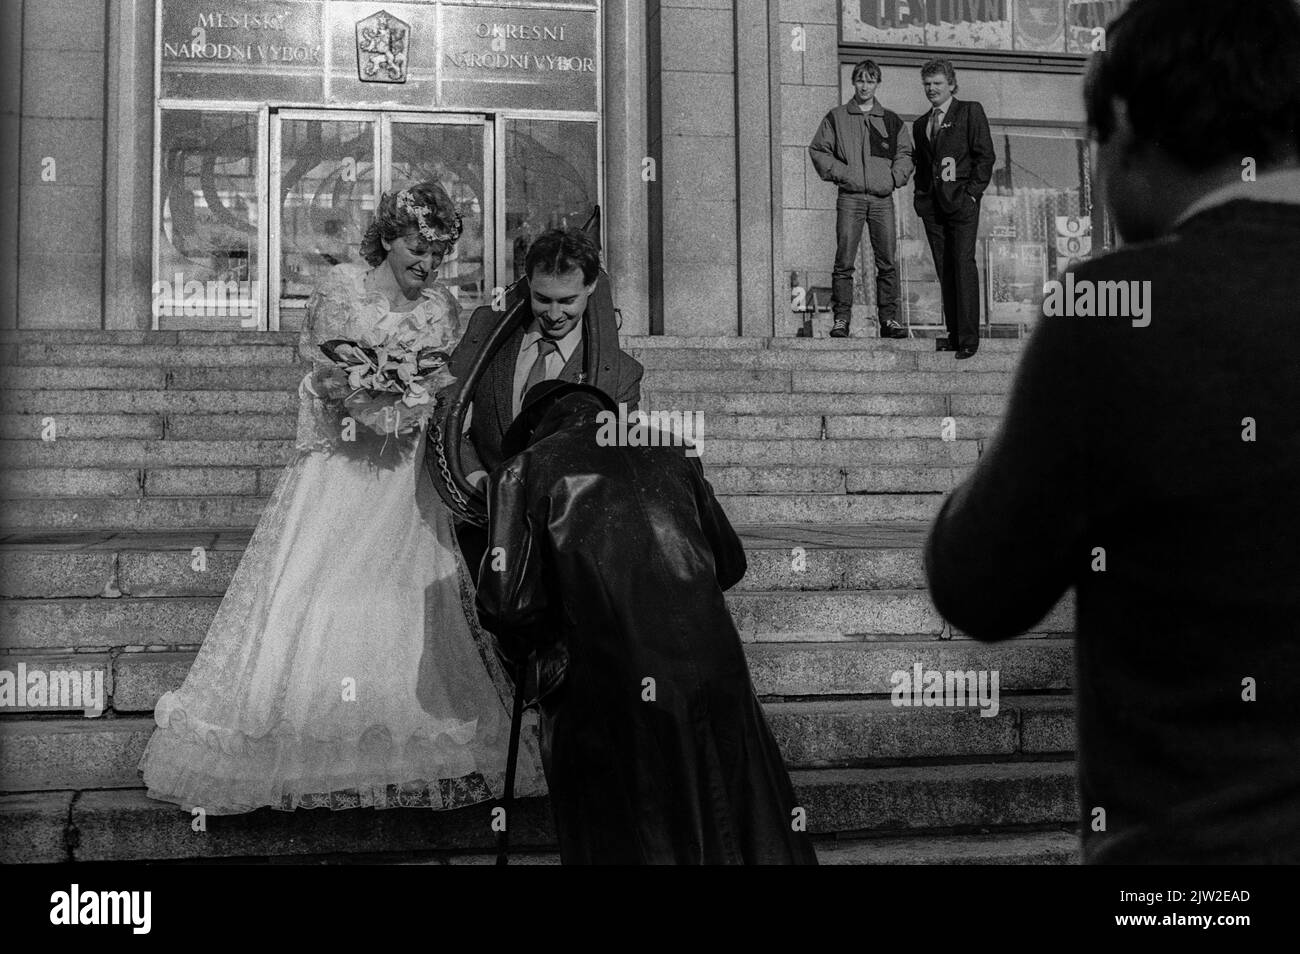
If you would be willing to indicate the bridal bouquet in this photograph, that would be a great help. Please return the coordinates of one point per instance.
(386, 383)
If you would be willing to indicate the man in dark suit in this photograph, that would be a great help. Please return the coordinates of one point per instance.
(953, 151)
(1151, 461)
(564, 284)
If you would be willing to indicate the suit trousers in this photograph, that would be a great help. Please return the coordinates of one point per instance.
(852, 211)
(952, 245)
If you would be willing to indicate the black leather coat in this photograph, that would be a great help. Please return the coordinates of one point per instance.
(616, 558)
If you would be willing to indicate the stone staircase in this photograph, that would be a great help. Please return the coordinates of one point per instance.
(827, 455)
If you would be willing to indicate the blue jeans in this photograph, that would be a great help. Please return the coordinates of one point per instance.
(877, 212)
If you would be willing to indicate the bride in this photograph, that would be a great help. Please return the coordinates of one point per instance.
(345, 666)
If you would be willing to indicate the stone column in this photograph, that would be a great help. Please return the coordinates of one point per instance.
(757, 154)
(626, 209)
(810, 87)
(693, 204)
(128, 165)
(11, 71)
(61, 165)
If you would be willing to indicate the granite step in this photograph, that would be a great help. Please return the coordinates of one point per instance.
(657, 360)
(128, 481)
(941, 379)
(883, 404)
(882, 357)
(125, 825)
(49, 401)
(167, 339)
(238, 512)
(144, 337)
(147, 355)
(96, 753)
(281, 425)
(1008, 848)
(974, 381)
(276, 377)
(85, 564)
(35, 828)
(213, 480)
(760, 616)
(124, 453)
(135, 678)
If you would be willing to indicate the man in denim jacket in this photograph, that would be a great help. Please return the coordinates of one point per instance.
(866, 150)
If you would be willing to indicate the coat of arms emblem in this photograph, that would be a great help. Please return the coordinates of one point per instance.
(382, 42)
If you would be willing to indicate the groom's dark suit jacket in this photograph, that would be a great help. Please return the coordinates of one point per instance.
(965, 138)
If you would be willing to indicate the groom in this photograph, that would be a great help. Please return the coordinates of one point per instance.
(564, 283)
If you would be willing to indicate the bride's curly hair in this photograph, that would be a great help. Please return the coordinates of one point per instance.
(425, 208)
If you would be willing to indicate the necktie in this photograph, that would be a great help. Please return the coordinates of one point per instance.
(934, 123)
(537, 373)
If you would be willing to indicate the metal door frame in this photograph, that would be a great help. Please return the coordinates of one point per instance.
(383, 150)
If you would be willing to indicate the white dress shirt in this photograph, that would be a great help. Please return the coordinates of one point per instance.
(555, 361)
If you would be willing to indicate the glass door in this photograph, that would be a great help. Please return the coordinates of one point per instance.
(456, 152)
(324, 186)
(328, 170)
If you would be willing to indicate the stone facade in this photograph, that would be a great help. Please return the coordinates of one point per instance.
(53, 172)
(810, 86)
(723, 97)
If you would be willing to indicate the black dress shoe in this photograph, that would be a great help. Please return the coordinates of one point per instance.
(892, 329)
(943, 344)
(965, 353)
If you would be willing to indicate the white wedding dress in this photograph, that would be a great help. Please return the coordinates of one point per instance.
(345, 666)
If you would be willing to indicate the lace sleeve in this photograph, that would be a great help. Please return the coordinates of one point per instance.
(329, 309)
(442, 324)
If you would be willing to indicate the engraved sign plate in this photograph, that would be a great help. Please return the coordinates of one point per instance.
(242, 50)
(511, 58)
(424, 54)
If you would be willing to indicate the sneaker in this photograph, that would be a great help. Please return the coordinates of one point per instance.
(892, 329)
(840, 328)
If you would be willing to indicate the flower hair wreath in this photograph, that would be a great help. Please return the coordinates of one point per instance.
(407, 207)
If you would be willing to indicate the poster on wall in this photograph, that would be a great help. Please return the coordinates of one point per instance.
(960, 24)
(1039, 25)
(921, 296)
(1030, 26)
(1016, 273)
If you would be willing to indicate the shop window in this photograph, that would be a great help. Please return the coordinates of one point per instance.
(1037, 219)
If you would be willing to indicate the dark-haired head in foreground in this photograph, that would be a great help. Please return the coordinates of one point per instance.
(1186, 94)
(1152, 466)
